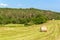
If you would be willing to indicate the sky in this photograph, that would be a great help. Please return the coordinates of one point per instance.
(53, 5)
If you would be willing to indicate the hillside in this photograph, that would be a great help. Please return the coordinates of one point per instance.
(28, 15)
(14, 11)
(31, 32)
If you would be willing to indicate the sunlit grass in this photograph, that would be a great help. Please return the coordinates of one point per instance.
(20, 32)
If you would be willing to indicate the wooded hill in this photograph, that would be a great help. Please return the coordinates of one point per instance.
(25, 16)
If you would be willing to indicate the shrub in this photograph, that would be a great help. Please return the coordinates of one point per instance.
(39, 20)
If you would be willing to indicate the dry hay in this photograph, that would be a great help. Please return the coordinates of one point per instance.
(43, 29)
(7, 28)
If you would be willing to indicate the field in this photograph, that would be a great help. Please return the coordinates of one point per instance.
(21, 32)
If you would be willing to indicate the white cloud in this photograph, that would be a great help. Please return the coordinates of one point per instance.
(3, 5)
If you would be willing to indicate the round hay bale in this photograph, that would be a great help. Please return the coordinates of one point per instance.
(53, 19)
(43, 29)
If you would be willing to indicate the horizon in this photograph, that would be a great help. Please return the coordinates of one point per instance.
(52, 5)
(34, 8)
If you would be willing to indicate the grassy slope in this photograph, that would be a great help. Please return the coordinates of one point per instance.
(31, 32)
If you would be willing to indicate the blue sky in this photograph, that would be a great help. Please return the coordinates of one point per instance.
(53, 5)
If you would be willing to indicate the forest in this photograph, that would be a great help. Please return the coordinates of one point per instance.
(26, 16)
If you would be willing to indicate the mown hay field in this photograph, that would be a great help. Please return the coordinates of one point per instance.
(21, 32)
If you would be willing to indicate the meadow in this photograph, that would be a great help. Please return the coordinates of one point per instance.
(21, 32)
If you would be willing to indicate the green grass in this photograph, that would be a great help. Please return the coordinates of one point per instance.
(19, 32)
